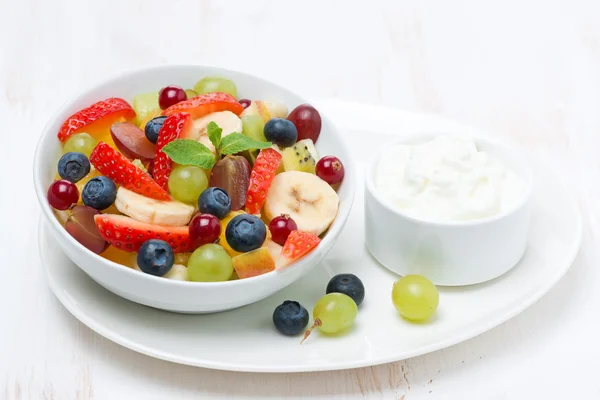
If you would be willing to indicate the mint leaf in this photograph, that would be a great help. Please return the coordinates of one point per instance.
(214, 134)
(190, 152)
(236, 142)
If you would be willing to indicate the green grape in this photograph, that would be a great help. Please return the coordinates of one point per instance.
(186, 183)
(81, 143)
(210, 263)
(333, 313)
(190, 93)
(253, 126)
(145, 105)
(215, 84)
(415, 297)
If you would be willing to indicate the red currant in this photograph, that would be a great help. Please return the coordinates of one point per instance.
(63, 194)
(281, 227)
(204, 229)
(245, 103)
(170, 95)
(330, 169)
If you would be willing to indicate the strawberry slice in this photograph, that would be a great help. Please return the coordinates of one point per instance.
(205, 104)
(297, 245)
(118, 168)
(129, 234)
(114, 107)
(175, 126)
(261, 177)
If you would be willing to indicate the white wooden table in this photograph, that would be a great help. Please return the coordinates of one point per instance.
(528, 68)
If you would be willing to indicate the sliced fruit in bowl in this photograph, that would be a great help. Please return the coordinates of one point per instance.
(102, 112)
(307, 199)
(128, 234)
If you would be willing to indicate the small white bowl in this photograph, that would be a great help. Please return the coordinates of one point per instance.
(449, 253)
(162, 293)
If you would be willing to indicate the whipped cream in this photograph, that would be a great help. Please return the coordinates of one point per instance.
(446, 179)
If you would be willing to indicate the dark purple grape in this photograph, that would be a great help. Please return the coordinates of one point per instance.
(132, 141)
(307, 121)
(82, 227)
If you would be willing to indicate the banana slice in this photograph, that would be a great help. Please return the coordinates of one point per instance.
(266, 109)
(178, 273)
(309, 200)
(277, 110)
(145, 209)
(226, 120)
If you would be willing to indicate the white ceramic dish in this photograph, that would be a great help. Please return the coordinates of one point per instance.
(245, 340)
(449, 253)
(171, 295)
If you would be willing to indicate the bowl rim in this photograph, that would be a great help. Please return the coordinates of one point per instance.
(327, 242)
(513, 150)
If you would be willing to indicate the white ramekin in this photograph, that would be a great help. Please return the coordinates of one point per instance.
(449, 253)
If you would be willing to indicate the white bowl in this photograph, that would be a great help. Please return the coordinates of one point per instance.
(449, 253)
(166, 294)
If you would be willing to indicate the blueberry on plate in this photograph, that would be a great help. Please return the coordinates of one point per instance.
(290, 318)
(348, 284)
(155, 257)
(153, 127)
(214, 201)
(73, 166)
(245, 233)
(99, 193)
(281, 132)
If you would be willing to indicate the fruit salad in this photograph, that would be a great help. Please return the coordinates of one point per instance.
(195, 184)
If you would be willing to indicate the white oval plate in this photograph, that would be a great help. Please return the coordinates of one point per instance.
(245, 339)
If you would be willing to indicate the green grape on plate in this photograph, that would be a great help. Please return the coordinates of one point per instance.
(215, 84)
(333, 313)
(80, 143)
(187, 182)
(210, 263)
(415, 297)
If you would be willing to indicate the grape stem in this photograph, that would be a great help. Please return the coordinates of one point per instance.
(307, 333)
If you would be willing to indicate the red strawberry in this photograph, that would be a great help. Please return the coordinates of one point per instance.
(205, 104)
(128, 234)
(175, 126)
(261, 177)
(114, 107)
(118, 168)
(297, 245)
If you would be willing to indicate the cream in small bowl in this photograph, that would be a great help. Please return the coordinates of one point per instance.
(452, 208)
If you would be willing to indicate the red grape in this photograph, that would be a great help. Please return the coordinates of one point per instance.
(82, 227)
(232, 174)
(170, 95)
(245, 102)
(281, 227)
(330, 169)
(204, 229)
(307, 121)
(132, 141)
(62, 194)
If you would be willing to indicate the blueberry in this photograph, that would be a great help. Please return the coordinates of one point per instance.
(281, 132)
(73, 166)
(290, 318)
(99, 193)
(214, 201)
(349, 285)
(155, 257)
(245, 233)
(153, 127)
